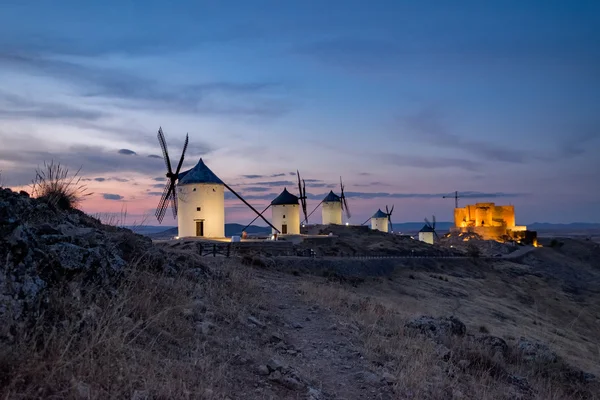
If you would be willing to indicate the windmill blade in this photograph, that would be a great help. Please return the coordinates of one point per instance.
(185, 145)
(250, 206)
(391, 225)
(311, 213)
(345, 203)
(428, 223)
(387, 211)
(392, 209)
(174, 202)
(366, 221)
(433, 226)
(304, 201)
(163, 146)
(163, 210)
(257, 217)
(436, 235)
(162, 204)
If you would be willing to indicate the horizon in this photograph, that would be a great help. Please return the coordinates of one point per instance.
(407, 102)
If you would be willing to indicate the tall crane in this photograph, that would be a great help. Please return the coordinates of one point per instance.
(456, 197)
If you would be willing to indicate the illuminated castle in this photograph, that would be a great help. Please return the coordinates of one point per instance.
(491, 222)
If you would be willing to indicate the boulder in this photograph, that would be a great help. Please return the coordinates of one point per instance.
(437, 327)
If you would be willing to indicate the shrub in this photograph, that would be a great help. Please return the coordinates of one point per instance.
(55, 185)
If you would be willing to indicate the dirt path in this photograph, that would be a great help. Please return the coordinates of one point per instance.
(326, 354)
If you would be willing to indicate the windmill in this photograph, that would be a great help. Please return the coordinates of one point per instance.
(196, 197)
(333, 206)
(169, 196)
(381, 221)
(427, 233)
(285, 210)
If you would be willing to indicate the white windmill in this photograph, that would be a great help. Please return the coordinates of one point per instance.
(197, 197)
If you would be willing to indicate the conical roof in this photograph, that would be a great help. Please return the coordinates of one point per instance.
(285, 198)
(379, 214)
(199, 174)
(331, 198)
(426, 228)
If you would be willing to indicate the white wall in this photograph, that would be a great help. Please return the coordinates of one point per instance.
(426, 237)
(210, 198)
(332, 213)
(380, 224)
(288, 214)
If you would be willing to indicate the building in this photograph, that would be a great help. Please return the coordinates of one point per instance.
(491, 222)
(200, 203)
(331, 209)
(379, 221)
(286, 213)
(426, 234)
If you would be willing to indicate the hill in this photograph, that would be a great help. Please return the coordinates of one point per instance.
(94, 311)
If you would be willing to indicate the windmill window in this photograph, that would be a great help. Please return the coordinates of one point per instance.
(198, 208)
(194, 189)
(214, 190)
(283, 215)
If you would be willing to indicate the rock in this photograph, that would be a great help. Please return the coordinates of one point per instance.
(463, 364)
(437, 328)
(262, 370)
(333, 327)
(275, 376)
(82, 390)
(314, 394)
(291, 383)
(534, 351)
(367, 377)
(297, 326)
(255, 321)
(494, 344)
(443, 352)
(140, 395)
(274, 365)
(519, 382)
(206, 327)
(388, 378)
(276, 337)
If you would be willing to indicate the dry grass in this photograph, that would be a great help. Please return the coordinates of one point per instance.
(414, 362)
(54, 184)
(155, 335)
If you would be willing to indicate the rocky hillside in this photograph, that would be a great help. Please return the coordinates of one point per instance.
(89, 311)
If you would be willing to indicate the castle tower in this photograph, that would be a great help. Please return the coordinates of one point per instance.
(286, 213)
(332, 209)
(200, 203)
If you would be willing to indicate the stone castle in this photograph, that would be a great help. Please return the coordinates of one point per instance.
(491, 222)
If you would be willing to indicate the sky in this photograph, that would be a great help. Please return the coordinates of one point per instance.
(407, 101)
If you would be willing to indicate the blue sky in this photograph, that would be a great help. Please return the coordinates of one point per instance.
(405, 100)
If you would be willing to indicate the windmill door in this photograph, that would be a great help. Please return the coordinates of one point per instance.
(284, 229)
(199, 228)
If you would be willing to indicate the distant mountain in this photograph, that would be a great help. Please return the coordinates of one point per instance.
(156, 232)
(572, 226)
(416, 226)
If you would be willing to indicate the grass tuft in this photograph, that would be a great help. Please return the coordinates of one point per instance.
(54, 184)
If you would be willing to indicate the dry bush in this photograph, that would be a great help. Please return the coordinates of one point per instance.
(147, 335)
(469, 369)
(54, 184)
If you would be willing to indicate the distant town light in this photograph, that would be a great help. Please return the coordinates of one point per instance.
(347, 224)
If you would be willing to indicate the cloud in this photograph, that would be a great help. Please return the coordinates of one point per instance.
(127, 152)
(275, 183)
(155, 193)
(93, 160)
(111, 196)
(578, 142)
(253, 176)
(428, 125)
(138, 92)
(18, 107)
(391, 195)
(256, 189)
(404, 160)
(277, 175)
(154, 156)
